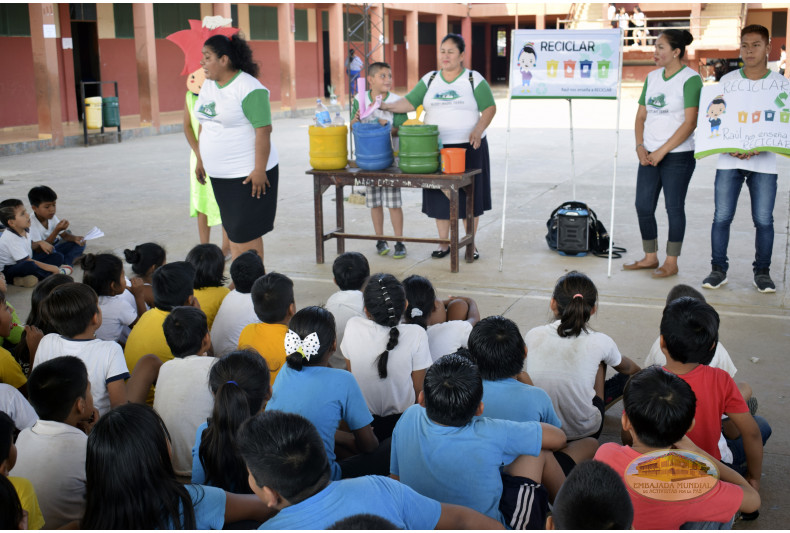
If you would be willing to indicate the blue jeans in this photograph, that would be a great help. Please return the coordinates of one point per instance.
(27, 268)
(709, 525)
(762, 190)
(70, 250)
(673, 175)
(736, 445)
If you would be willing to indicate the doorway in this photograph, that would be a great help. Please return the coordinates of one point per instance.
(85, 38)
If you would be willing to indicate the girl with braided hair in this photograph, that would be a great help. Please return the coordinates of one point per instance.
(387, 358)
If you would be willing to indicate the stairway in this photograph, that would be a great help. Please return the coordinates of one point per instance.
(722, 32)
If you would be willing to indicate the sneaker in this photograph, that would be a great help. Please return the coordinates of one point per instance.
(382, 248)
(25, 281)
(715, 279)
(763, 282)
(613, 389)
(400, 250)
(66, 269)
(752, 404)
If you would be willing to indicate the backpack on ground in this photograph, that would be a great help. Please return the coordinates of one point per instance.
(574, 230)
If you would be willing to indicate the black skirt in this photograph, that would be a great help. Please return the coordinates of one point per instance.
(244, 217)
(436, 205)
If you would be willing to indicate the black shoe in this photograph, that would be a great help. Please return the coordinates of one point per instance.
(400, 250)
(715, 279)
(382, 248)
(476, 255)
(438, 254)
(613, 389)
(763, 282)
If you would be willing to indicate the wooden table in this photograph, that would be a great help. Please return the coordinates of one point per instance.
(393, 177)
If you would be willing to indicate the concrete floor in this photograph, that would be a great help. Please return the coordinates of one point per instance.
(137, 191)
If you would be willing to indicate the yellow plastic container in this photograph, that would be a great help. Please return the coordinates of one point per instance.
(93, 112)
(328, 147)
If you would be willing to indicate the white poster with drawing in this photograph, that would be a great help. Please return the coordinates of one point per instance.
(565, 64)
(744, 115)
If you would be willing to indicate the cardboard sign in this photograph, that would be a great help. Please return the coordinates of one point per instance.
(744, 115)
(565, 64)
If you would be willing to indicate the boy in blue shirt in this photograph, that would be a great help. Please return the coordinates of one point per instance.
(441, 450)
(289, 472)
(498, 349)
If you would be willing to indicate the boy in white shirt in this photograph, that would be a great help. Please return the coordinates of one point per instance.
(182, 397)
(237, 311)
(16, 250)
(47, 227)
(350, 270)
(51, 454)
(379, 80)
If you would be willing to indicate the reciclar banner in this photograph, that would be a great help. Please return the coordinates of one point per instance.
(744, 115)
(565, 64)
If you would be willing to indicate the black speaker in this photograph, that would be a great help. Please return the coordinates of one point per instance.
(572, 231)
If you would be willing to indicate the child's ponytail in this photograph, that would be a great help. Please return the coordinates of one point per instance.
(306, 322)
(145, 256)
(100, 271)
(576, 296)
(385, 301)
(421, 297)
(240, 383)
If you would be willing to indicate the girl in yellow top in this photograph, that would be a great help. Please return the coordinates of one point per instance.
(209, 263)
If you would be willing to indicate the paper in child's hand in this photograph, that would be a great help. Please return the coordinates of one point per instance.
(94, 233)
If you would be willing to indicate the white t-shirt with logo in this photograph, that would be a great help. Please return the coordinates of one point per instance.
(764, 162)
(228, 116)
(452, 105)
(14, 248)
(666, 100)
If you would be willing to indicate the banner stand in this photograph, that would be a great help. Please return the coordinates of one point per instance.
(507, 163)
(616, 152)
(573, 153)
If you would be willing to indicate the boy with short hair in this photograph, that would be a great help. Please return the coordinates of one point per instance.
(237, 310)
(290, 473)
(273, 300)
(689, 335)
(47, 227)
(51, 454)
(443, 450)
(593, 497)
(350, 271)
(379, 81)
(16, 248)
(659, 411)
(73, 310)
(182, 397)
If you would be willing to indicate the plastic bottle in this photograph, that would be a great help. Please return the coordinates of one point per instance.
(322, 117)
(338, 120)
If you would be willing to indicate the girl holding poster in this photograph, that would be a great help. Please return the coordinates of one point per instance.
(665, 122)
(461, 103)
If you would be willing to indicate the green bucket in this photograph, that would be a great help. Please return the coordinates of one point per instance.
(111, 116)
(419, 148)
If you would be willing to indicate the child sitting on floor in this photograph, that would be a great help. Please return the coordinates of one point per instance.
(387, 358)
(569, 362)
(104, 274)
(659, 411)
(689, 334)
(442, 451)
(593, 497)
(10, 341)
(51, 454)
(350, 270)
(46, 226)
(273, 299)
(16, 249)
(290, 473)
(448, 322)
(237, 311)
(240, 385)
(209, 263)
(10, 370)
(24, 489)
(182, 397)
(145, 259)
(379, 81)
(326, 396)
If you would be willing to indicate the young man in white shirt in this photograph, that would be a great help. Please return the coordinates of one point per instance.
(757, 169)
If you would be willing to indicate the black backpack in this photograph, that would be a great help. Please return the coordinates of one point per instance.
(597, 236)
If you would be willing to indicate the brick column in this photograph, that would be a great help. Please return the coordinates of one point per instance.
(540, 20)
(376, 33)
(441, 30)
(337, 51)
(222, 10)
(45, 69)
(412, 50)
(145, 52)
(287, 45)
(466, 33)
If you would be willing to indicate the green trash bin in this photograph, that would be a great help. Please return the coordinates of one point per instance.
(111, 116)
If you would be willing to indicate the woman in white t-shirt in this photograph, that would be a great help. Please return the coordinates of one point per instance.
(448, 323)
(235, 142)
(664, 128)
(568, 360)
(461, 103)
(387, 358)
